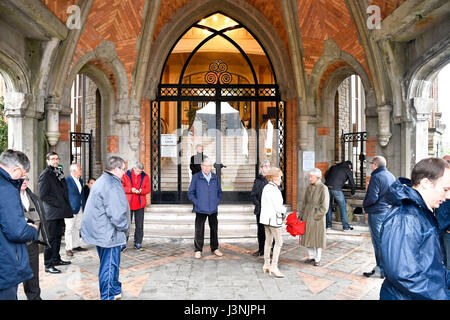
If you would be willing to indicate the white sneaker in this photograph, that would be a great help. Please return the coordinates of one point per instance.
(118, 297)
(218, 253)
(197, 255)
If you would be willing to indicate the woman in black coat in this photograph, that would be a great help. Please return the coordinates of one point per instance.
(258, 186)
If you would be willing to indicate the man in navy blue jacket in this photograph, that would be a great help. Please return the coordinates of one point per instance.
(410, 246)
(15, 232)
(206, 193)
(376, 207)
(75, 191)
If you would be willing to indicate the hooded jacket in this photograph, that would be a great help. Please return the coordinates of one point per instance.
(410, 248)
(14, 234)
(337, 175)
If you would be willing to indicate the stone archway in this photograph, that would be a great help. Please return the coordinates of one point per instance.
(238, 10)
(416, 88)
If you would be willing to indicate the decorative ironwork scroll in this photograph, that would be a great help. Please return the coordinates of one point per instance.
(218, 73)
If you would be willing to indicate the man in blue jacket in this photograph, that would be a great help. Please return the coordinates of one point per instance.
(443, 217)
(410, 247)
(15, 232)
(104, 224)
(205, 192)
(376, 207)
(75, 191)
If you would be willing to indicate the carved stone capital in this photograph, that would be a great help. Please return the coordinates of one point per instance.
(384, 124)
(16, 104)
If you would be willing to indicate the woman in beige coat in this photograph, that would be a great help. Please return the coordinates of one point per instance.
(313, 212)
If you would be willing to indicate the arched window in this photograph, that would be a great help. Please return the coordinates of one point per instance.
(217, 89)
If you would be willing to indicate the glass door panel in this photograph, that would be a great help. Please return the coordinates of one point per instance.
(268, 133)
(238, 146)
(198, 129)
(168, 143)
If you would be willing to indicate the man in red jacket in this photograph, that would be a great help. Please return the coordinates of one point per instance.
(137, 185)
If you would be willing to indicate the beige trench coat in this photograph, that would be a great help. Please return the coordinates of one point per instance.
(313, 211)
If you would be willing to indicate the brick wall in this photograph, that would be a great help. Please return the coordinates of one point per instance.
(291, 153)
(64, 129)
(113, 144)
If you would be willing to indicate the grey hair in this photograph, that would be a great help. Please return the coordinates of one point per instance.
(139, 165)
(12, 158)
(264, 163)
(74, 166)
(316, 172)
(206, 160)
(114, 162)
(379, 161)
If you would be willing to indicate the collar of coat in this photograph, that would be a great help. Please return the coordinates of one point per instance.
(17, 183)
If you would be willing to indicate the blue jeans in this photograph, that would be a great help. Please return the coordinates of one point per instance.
(340, 199)
(108, 274)
(446, 242)
(375, 222)
(9, 293)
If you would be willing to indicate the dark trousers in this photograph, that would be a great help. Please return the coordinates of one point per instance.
(9, 293)
(31, 286)
(261, 234)
(55, 232)
(200, 220)
(139, 223)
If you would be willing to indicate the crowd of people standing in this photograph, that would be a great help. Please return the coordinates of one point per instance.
(409, 220)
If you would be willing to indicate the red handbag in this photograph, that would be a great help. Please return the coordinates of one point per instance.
(294, 226)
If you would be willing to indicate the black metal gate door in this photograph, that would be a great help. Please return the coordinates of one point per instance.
(81, 152)
(353, 149)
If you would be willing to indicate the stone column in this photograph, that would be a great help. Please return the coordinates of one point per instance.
(384, 124)
(53, 108)
(423, 108)
(22, 128)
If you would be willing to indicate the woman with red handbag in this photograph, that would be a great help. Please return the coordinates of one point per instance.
(314, 208)
(272, 216)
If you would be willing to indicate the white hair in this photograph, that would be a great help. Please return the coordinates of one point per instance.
(315, 172)
(74, 166)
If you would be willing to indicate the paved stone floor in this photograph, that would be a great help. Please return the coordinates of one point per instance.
(167, 270)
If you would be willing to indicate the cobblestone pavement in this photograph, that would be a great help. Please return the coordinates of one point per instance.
(168, 270)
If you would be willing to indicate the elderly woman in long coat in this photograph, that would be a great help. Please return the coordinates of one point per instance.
(313, 212)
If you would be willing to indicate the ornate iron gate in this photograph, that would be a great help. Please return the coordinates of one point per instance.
(81, 152)
(355, 142)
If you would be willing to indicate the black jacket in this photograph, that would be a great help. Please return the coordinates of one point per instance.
(196, 161)
(43, 228)
(337, 175)
(258, 186)
(54, 196)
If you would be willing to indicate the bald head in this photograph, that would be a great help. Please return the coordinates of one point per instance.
(447, 158)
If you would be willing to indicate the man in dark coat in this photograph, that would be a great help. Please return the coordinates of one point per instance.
(206, 193)
(53, 193)
(34, 211)
(410, 247)
(376, 206)
(196, 160)
(258, 186)
(335, 178)
(15, 232)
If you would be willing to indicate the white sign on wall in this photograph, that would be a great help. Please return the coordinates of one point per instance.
(169, 145)
(308, 160)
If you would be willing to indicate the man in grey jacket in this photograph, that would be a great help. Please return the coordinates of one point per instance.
(104, 224)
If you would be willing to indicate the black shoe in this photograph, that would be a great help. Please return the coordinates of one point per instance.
(62, 263)
(52, 270)
(316, 263)
(349, 228)
(258, 253)
(369, 274)
(79, 249)
(309, 261)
